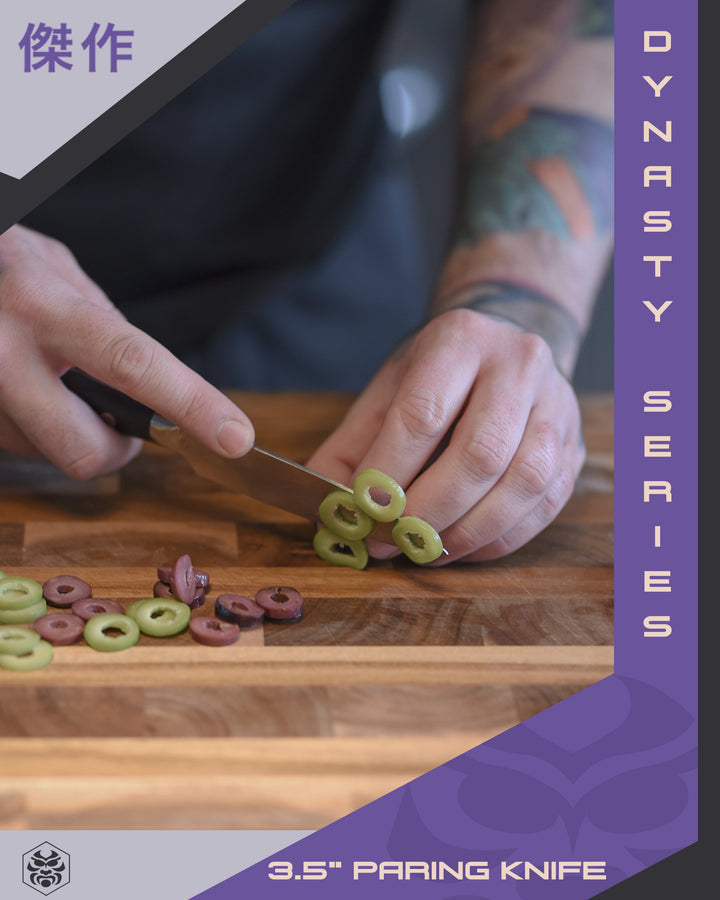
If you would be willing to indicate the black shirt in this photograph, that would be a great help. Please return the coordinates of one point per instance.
(244, 181)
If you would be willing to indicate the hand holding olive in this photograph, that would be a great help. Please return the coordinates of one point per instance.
(479, 426)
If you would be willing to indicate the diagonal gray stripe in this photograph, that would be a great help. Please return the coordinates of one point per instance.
(19, 196)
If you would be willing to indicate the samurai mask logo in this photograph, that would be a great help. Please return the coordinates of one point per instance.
(46, 868)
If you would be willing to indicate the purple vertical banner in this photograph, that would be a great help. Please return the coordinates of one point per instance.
(601, 786)
(656, 347)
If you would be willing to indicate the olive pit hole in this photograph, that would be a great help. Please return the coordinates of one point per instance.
(379, 496)
(279, 598)
(346, 515)
(113, 632)
(342, 548)
(58, 623)
(65, 589)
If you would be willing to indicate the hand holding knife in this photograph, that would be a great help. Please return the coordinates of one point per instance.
(260, 474)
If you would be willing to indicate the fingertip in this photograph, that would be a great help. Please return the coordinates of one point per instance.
(234, 437)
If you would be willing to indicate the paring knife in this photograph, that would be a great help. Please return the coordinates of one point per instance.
(260, 474)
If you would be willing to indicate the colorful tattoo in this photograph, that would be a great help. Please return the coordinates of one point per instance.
(541, 169)
(596, 18)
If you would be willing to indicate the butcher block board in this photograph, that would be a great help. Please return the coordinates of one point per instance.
(390, 672)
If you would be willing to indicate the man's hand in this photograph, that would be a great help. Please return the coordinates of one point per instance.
(53, 317)
(513, 422)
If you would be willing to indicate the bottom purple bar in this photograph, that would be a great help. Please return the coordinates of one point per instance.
(588, 793)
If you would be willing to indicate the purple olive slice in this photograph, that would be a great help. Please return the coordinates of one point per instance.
(64, 590)
(60, 629)
(213, 632)
(239, 610)
(280, 603)
(202, 578)
(182, 579)
(160, 589)
(86, 609)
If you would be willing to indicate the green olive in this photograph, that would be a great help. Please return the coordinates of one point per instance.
(17, 592)
(132, 608)
(378, 495)
(39, 656)
(24, 616)
(162, 617)
(341, 514)
(417, 539)
(338, 550)
(98, 632)
(15, 641)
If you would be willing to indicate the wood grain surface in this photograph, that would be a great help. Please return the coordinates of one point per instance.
(391, 671)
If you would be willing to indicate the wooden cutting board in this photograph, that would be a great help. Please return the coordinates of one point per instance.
(391, 670)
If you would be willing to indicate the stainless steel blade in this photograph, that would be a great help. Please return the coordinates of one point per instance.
(266, 476)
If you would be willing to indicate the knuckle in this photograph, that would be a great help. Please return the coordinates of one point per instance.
(536, 351)
(535, 471)
(130, 360)
(486, 455)
(192, 408)
(422, 414)
(57, 250)
(557, 497)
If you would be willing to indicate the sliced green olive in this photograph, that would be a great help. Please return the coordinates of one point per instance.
(17, 592)
(161, 617)
(338, 550)
(25, 616)
(417, 539)
(40, 655)
(341, 514)
(14, 640)
(379, 495)
(108, 632)
(131, 608)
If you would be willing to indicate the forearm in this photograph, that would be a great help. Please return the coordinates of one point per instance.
(533, 231)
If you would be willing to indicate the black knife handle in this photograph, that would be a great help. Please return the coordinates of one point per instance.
(116, 409)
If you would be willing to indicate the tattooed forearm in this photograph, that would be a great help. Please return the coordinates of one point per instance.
(543, 169)
(536, 53)
(596, 18)
(535, 209)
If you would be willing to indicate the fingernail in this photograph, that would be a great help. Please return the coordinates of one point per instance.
(381, 550)
(234, 438)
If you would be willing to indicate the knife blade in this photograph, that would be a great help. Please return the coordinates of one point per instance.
(261, 474)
